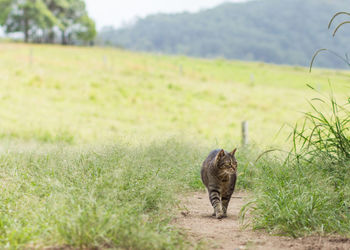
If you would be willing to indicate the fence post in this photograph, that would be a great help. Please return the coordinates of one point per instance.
(105, 61)
(245, 139)
(181, 71)
(252, 79)
(30, 58)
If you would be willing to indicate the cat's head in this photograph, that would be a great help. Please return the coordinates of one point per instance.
(226, 161)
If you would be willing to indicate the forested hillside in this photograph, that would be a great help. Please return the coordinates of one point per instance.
(275, 31)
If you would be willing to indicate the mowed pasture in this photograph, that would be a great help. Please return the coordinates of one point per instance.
(97, 144)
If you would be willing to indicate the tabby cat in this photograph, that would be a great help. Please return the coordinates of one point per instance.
(219, 174)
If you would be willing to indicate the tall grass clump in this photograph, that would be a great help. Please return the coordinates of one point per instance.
(109, 197)
(325, 138)
(307, 192)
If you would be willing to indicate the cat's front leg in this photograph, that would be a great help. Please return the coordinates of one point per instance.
(225, 202)
(215, 200)
(219, 212)
(226, 197)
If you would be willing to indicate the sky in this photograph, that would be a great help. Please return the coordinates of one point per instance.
(118, 12)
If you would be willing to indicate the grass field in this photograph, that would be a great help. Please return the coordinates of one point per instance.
(92, 95)
(117, 196)
(96, 144)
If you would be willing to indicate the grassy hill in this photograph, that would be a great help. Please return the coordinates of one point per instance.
(84, 95)
(283, 32)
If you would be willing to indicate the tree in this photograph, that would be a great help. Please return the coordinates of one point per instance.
(58, 8)
(5, 7)
(74, 21)
(41, 20)
(87, 31)
(28, 16)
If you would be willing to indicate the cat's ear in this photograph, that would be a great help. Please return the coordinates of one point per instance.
(233, 152)
(220, 155)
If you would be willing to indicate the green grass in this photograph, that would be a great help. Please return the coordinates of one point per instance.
(94, 95)
(295, 200)
(86, 159)
(308, 192)
(114, 196)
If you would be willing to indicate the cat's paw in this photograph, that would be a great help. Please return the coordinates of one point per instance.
(220, 216)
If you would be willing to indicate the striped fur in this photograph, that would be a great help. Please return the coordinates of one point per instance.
(219, 174)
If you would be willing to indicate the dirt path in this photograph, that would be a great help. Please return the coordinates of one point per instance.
(196, 219)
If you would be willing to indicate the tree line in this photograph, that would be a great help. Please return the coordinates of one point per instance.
(48, 21)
